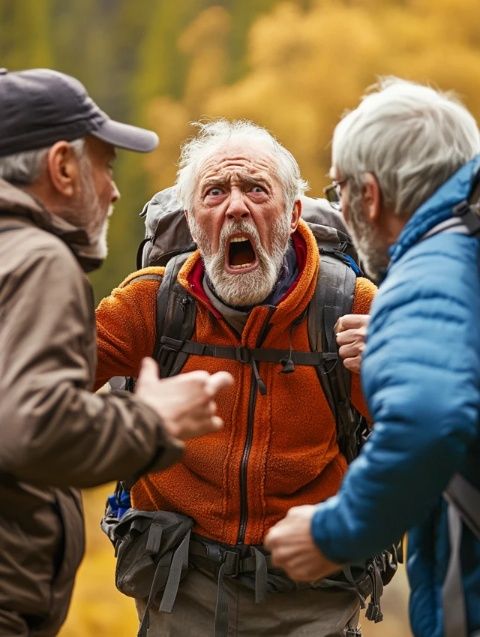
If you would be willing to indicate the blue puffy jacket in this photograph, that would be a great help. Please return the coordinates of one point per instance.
(421, 377)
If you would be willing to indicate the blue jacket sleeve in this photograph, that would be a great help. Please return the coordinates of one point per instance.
(420, 376)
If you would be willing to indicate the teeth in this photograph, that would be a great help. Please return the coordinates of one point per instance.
(238, 239)
(241, 267)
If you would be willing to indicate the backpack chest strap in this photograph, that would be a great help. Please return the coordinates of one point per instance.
(245, 354)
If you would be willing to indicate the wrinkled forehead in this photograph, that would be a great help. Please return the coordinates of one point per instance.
(238, 162)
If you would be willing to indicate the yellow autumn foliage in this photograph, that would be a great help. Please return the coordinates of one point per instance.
(98, 609)
(306, 66)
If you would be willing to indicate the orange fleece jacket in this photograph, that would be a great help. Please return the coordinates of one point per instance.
(275, 451)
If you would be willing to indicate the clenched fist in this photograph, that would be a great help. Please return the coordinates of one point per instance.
(351, 331)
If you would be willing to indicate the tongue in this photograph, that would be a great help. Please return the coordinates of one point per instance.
(241, 253)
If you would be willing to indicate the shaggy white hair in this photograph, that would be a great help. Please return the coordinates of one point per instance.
(214, 135)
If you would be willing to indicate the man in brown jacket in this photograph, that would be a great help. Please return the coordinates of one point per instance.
(56, 192)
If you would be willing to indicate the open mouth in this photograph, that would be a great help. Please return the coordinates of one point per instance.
(240, 254)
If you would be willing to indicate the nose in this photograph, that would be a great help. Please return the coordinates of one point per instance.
(237, 208)
(115, 192)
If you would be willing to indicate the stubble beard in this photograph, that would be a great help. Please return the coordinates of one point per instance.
(372, 250)
(87, 213)
(249, 288)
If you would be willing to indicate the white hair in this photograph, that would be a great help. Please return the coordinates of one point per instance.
(25, 168)
(214, 135)
(411, 137)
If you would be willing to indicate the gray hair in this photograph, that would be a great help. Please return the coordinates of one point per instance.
(25, 168)
(214, 135)
(411, 137)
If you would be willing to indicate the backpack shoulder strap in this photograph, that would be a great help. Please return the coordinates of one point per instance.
(465, 497)
(463, 506)
(332, 299)
(176, 312)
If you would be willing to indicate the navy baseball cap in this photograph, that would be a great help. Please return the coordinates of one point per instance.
(39, 107)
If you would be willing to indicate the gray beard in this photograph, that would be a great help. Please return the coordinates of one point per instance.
(249, 288)
(372, 251)
(88, 204)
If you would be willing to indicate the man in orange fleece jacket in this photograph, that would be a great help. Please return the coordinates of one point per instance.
(252, 278)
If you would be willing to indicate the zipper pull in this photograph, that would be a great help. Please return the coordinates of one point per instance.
(260, 384)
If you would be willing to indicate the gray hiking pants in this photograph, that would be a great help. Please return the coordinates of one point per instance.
(305, 613)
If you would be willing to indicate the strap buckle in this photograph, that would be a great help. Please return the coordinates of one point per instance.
(461, 209)
(243, 354)
(232, 563)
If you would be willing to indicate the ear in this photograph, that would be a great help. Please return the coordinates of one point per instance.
(63, 169)
(296, 214)
(372, 198)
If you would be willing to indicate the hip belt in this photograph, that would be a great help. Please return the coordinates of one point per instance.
(230, 561)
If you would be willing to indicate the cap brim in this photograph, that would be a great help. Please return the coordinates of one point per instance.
(125, 136)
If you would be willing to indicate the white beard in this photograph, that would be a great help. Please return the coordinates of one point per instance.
(249, 288)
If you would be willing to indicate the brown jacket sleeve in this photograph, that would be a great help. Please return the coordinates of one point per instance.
(364, 294)
(54, 430)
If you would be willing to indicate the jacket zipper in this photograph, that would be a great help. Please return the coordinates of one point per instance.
(248, 441)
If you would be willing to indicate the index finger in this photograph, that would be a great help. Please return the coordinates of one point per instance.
(350, 321)
(218, 381)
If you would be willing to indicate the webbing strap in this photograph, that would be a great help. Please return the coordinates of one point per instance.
(178, 562)
(453, 598)
(374, 611)
(233, 564)
(261, 572)
(224, 563)
(246, 354)
(221, 606)
(347, 571)
(466, 499)
(212, 554)
(464, 506)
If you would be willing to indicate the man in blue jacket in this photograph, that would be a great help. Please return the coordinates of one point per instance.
(405, 163)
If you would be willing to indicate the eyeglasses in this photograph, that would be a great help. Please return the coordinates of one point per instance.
(333, 192)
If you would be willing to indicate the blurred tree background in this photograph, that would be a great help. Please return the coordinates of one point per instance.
(293, 66)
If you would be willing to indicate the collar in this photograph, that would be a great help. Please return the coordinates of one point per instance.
(15, 201)
(437, 210)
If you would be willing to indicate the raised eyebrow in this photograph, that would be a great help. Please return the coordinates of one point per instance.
(214, 181)
(250, 182)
